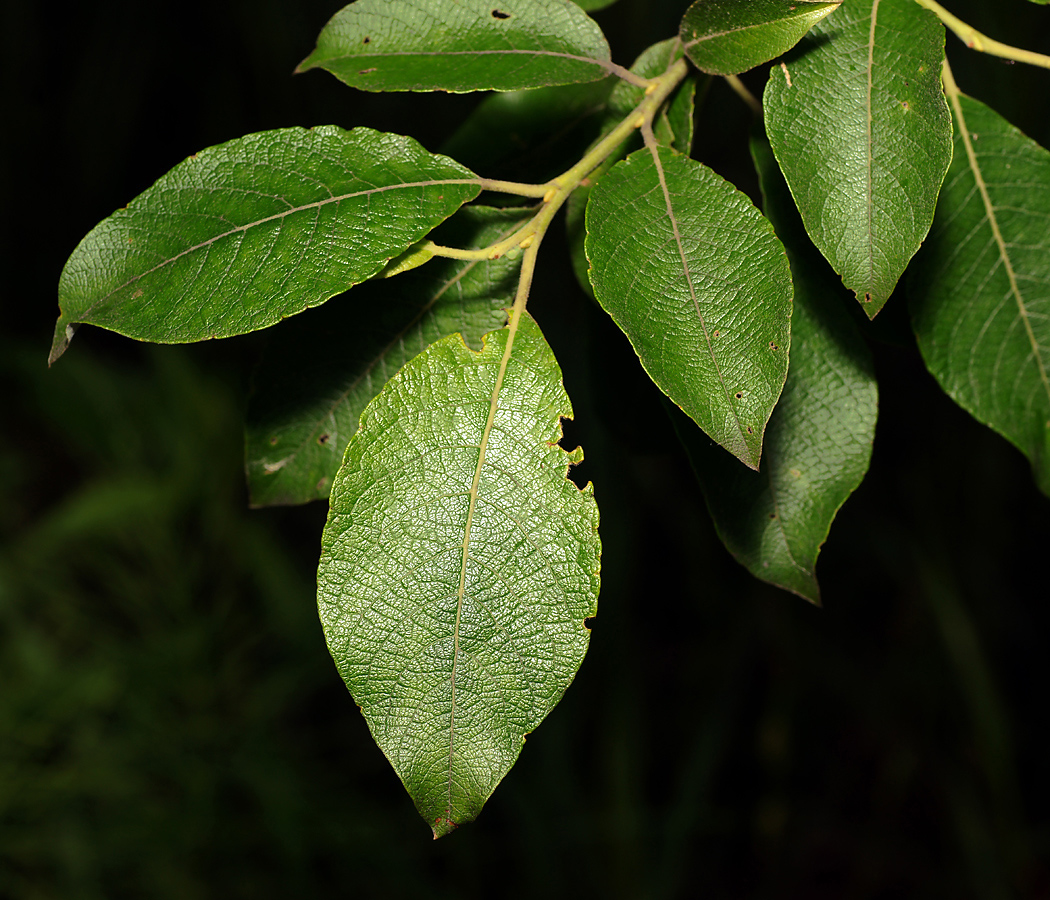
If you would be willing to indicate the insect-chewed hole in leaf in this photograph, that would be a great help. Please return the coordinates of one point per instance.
(715, 333)
(773, 345)
(324, 439)
(499, 14)
(867, 297)
(739, 395)
(750, 430)
(588, 623)
(367, 40)
(274, 440)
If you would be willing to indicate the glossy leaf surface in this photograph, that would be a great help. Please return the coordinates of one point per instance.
(980, 292)
(246, 233)
(725, 37)
(323, 367)
(859, 124)
(694, 276)
(819, 438)
(458, 566)
(460, 45)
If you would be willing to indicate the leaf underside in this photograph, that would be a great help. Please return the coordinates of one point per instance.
(460, 45)
(860, 127)
(323, 367)
(458, 623)
(694, 276)
(819, 438)
(980, 290)
(244, 234)
(725, 37)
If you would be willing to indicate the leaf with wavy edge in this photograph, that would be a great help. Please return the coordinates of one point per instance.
(980, 290)
(860, 127)
(458, 565)
(244, 234)
(697, 280)
(461, 45)
(725, 37)
(323, 367)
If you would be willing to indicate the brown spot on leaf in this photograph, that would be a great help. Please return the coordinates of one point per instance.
(324, 439)
(367, 71)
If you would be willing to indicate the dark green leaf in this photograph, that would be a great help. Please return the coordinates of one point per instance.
(725, 37)
(323, 367)
(819, 438)
(860, 127)
(458, 566)
(697, 280)
(593, 5)
(461, 45)
(242, 235)
(981, 288)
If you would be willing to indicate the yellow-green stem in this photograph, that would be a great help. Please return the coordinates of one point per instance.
(556, 191)
(980, 42)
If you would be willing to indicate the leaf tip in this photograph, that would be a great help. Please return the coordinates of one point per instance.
(64, 332)
(442, 826)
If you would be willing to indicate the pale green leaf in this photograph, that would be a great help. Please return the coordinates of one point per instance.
(725, 37)
(323, 367)
(461, 45)
(244, 234)
(699, 283)
(859, 124)
(980, 292)
(819, 438)
(458, 566)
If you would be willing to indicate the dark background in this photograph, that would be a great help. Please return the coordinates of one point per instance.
(171, 725)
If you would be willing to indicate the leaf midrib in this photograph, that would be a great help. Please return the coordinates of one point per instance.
(870, 151)
(318, 204)
(717, 34)
(650, 141)
(993, 222)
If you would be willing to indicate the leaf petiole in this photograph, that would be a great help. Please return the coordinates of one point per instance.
(556, 191)
(980, 42)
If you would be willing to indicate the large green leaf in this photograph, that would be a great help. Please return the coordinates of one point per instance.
(459, 565)
(323, 367)
(980, 292)
(861, 129)
(241, 235)
(725, 37)
(819, 438)
(697, 280)
(460, 45)
(673, 127)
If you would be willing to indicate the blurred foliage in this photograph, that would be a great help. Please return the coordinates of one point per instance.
(171, 725)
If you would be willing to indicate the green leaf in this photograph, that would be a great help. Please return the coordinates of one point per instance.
(819, 438)
(673, 128)
(980, 292)
(531, 135)
(725, 37)
(698, 282)
(860, 127)
(244, 234)
(461, 45)
(458, 566)
(594, 5)
(322, 368)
